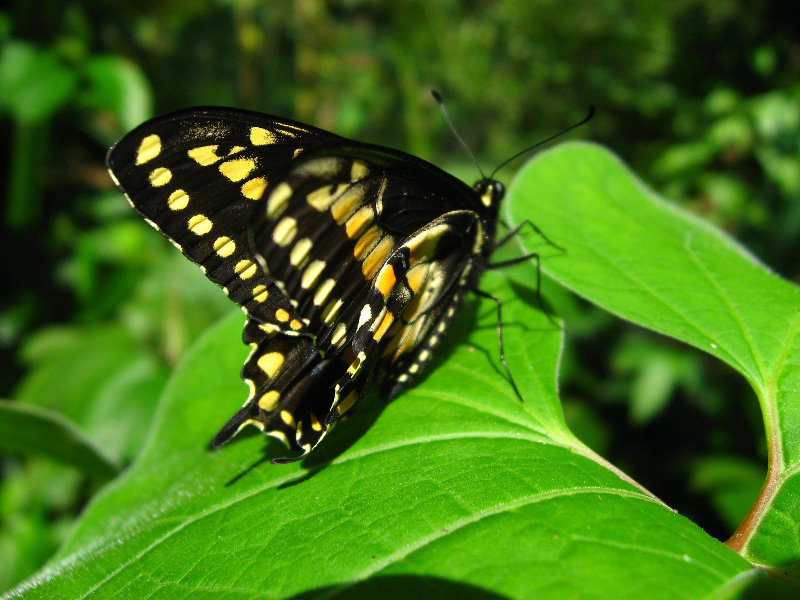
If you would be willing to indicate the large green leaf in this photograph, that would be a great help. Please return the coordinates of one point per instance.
(456, 489)
(638, 257)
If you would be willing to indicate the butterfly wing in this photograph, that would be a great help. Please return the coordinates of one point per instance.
(345, 256)
(200, 177)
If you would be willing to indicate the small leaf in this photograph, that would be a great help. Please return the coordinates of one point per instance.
(30, 430)
(35, 82)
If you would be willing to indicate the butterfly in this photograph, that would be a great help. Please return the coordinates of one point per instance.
(349, 259)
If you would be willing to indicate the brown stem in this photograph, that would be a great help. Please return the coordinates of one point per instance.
(744, 532)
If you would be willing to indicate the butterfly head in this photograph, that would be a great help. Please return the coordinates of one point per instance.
(490, 192)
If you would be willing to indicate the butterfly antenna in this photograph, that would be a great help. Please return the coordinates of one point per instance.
(438, 97)
(585, 119)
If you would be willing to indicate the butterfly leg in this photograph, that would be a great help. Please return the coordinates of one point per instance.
(503, 240)
(499, 303)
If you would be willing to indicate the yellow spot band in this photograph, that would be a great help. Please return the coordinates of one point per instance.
(237, 169)
(254, 188)
(200, 224)
(260, 293)
(224, 246)
(269, 401)
(261, 137)
(245, 269)
(178, 200)
(270, 363)
(148, 149)
(160, 176)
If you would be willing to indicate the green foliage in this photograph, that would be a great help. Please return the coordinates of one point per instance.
(700, 98)
(25, 428)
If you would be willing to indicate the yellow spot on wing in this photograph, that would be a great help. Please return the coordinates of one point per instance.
(287, 418)
(245, 269)
(204, 155)
(310, 276)
(359, 170)
(347, 403)
(347, 203)
(149, 148)
(321, 198)
(271, 363)
(284, 231)
(338, 337)
(323, 168)
(331, 310)
(386, 280)
(160, 176)
(366, 315)
(278, 200)
(324, 290)
(237, 169)
(200, 224)
(276, 433)
(315, 424)
(416, 276)
(281, 315)
(423, 245)
(254, 188)
(377, 257)
(262, 137)
(387, 321)
(299, 251)
(295, 324)
(224, 246)
(410, 338)
(260, 293)
(178, 200)
(358, 221)
(269, 401)
(366, 242)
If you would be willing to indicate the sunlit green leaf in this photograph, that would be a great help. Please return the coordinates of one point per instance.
(640, 258)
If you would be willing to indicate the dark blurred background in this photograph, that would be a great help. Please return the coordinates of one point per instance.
(700, 98)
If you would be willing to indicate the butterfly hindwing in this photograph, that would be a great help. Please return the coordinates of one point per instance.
(349, 259)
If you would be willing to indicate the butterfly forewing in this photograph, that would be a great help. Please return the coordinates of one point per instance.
(348, 258)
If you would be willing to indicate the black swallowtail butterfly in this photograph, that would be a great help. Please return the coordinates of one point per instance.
(349, 259)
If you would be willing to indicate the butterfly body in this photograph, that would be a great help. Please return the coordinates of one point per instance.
(349, 259)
